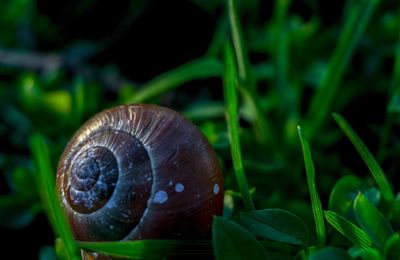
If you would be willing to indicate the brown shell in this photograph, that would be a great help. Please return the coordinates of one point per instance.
(177, 199)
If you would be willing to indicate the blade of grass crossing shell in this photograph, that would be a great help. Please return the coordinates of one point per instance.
(366, 155)
(197, 69)
(348, 229)
(161, 249)
(315, 201)
(231, 103)
(48, 194)
(354, 27)
(152, 249)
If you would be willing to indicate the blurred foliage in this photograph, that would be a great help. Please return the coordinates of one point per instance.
(297, 62)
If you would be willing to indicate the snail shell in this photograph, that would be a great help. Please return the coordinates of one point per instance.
(139, 172)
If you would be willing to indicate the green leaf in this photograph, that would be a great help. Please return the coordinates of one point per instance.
(276, 224)
(232, 241)
(343, 194)
(371, 254)
(366, 155)
(315, 201)
(328, 253)
(359, 17)
(394, 212)
(365, 253)
(232, 120)
(391, 250)
(197, 69)
(348, 229)
(48, 194)
(372, 221)
(322, 252)
(345, 191)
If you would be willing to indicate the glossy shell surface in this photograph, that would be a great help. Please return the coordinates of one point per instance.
(139, 172)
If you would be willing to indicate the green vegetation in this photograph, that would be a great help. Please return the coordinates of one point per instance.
(269, 83)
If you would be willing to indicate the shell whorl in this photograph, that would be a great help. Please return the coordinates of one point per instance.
(139, 171)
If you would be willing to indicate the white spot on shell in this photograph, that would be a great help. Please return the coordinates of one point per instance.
(111, 227)
(179, 187)
(216, 188)
(160, 197)
(170, 183)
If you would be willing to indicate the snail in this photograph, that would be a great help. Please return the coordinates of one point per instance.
(139, 172)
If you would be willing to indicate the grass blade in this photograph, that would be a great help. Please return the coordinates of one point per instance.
(282, 46)
(151, 249)
(245, 73)
(231, 103)
(48, 194)
(348, 229)
(366, 155)
(160, 249)
(353, 29)
(197, 69)
(264, 132)
(315, 201)
(204, 111)
(246, 80)
(394, 95)
(393, 106)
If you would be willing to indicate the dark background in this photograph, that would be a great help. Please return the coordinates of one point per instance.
(134, 41)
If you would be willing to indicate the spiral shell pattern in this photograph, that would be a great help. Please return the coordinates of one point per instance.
(136, 172)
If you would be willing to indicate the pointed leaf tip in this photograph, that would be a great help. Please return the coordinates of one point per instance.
(372, 220)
